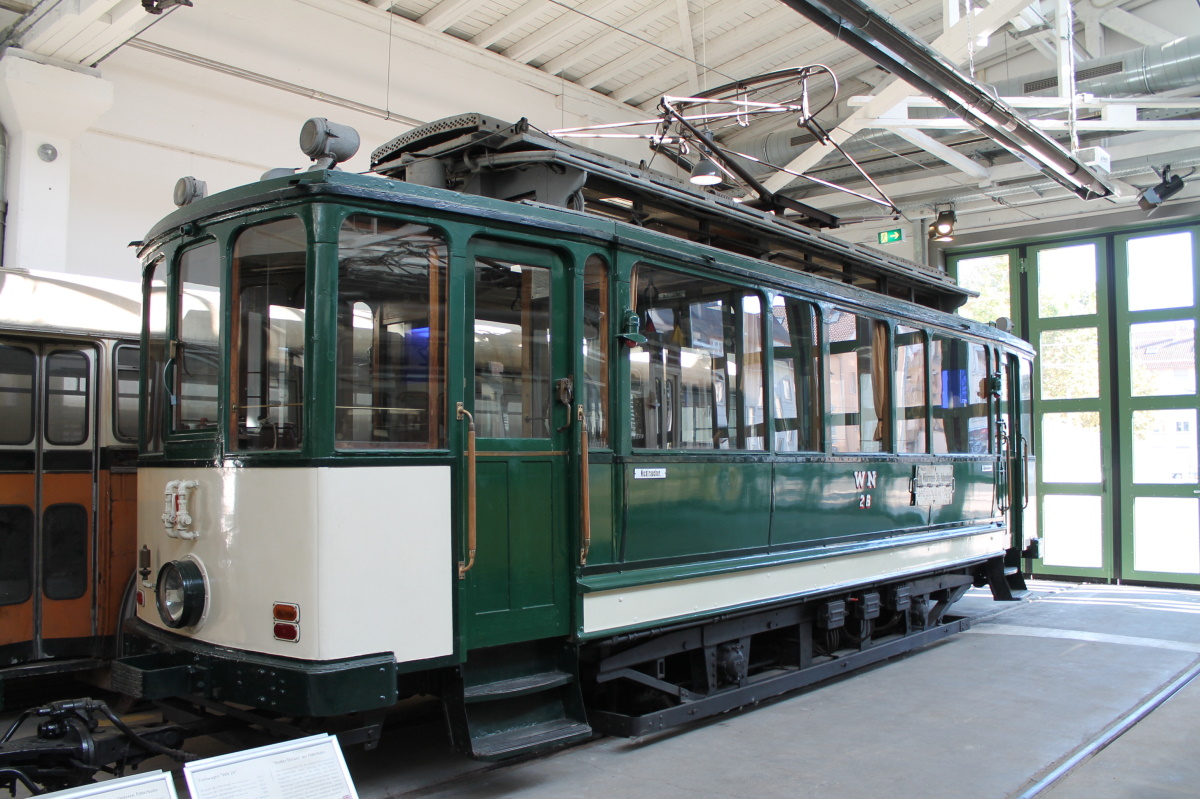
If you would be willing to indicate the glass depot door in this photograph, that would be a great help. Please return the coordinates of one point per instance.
(519, 390)
(1113, 318)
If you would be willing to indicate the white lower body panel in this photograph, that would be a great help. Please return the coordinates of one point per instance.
(605, 611)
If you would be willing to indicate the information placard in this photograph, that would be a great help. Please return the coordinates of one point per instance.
(155, 785)
(310, 768)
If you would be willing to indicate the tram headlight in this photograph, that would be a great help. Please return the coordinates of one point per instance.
(180, 593)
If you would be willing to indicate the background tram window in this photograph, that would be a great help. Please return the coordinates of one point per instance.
(154, 401)
(16, 554)
(391, 334)
(197, 337)
(268, 347)
(860, 405)
(65, 561)
(68, 386)
(960, 421)
(595, 350)
(796, 345)
(125, 392)
(697, 381)
(16, 395)
(910, 388)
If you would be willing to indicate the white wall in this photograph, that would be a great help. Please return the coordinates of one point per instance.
(170, 118)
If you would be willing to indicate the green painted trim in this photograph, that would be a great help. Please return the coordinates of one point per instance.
(635, 577)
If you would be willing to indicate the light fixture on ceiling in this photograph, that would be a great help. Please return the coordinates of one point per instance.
(942, 228)
(706, 173)
(1168, 187)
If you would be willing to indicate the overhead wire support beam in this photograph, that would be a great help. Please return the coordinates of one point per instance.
(875, 35)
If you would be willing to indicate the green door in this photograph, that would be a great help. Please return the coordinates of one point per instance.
(1156, 318)
(1068, 319)
(518, 389)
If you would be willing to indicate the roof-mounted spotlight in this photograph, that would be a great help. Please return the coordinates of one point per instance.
(327, 143)
(942, 228)
(1155, 196)
(188, 190)
(706, 173)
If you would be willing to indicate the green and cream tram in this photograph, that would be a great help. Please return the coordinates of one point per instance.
(569, 444)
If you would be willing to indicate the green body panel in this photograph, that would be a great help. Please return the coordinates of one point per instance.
(604, 528)
(697, 508)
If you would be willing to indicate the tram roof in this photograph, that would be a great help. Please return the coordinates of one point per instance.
(56, 302)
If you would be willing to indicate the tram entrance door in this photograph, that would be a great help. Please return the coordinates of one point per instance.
(518, 388)
(47, 473)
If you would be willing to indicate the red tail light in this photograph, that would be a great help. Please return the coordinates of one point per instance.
(286, 631)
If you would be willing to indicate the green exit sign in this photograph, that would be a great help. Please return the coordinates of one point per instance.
(891, 236)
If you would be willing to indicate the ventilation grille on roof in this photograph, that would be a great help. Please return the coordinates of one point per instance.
(1082, 75)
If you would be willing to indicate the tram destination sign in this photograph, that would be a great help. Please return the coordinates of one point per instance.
(933, 485)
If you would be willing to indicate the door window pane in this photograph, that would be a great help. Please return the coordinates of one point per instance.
(1070, 448)
(513, 380)
(269, 347)
(1070, 361)
(125, 392)
(1166, 534)
(391, 334)
(795, 327)
(197, 333)
(595, 350)
(16, 554)
(1160, 272)
(1067, 281)
(17, 366)
(858, 384)
(747, 375)
(1164, 446)
(65, 560)
(1163, 358)
(68, 383)
(1072, 531)
(910, 383)
(989, 275)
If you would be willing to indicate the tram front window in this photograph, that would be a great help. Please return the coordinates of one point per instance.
(390, 335)
(269, 336)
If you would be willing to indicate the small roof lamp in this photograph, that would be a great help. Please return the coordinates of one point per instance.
(706, 173)
(942, 228)
(327, 143)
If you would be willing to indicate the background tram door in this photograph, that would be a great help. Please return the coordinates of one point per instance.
(518, 589)
(47, 478)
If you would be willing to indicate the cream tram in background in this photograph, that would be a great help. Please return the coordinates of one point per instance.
(69, 360)
(554, 437)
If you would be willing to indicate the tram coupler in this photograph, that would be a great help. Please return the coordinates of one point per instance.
(73, 742)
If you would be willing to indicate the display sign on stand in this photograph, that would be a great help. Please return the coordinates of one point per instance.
(310, 768)
(156, 785)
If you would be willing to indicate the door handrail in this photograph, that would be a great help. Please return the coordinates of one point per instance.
(585, 503)
(465, 566)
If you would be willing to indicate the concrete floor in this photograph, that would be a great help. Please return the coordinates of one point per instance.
(984, 714)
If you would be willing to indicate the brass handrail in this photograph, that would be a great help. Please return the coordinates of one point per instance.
(585, 504)
(1025, 479)
(465, 566)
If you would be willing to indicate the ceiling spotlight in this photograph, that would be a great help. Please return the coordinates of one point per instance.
(942, 228)
(706, 173)
(1155, 196)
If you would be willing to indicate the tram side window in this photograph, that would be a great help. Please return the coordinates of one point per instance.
(125, 392)
(155, 293)
(859, 384)
(795, 326)
(595, 350)
(391, 335)
(65, 561)
(68, 388)
(697, 381)
(269, 336)
(197, 338)
(910, 389)
(16, 395)
(960, 421)
(16, 554)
